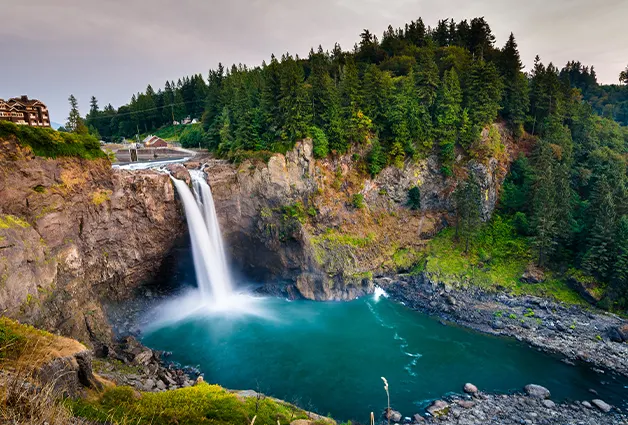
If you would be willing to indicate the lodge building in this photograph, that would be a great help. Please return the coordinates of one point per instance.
(25, 111)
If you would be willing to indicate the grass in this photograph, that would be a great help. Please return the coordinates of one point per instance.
(333, 239)
(200, 404)
(49, 143)
(496, 259)
(11, 221)
(17, 339)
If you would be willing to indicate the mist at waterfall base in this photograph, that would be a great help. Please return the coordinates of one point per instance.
(329, 356)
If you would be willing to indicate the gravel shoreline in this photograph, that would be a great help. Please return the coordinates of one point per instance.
(575, 333)
(578, 334)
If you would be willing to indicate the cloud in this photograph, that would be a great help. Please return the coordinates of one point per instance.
(113, 48)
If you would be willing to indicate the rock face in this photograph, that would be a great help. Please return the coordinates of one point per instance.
(73, 232)
(295, 220)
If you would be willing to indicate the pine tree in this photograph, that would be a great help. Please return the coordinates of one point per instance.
(178, 106)
(483, 94)
(376, 158)
(294, 106)
(426, 77)
(619, 281)
(600, 254)
(468, 203)
(544, 218)
(447, 118)
(376, 91)
(516, 92)
(481, 40)
(75, 123)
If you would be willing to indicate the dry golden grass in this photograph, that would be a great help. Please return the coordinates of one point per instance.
(24, 398)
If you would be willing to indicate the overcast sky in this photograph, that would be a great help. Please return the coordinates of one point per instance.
(113, 48)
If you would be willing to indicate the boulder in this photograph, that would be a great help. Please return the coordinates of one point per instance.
(587, 405)
(618, 333)
(144, 357)
(466, 404)
(532, 274)
(497, 324)
(149, 384)
(178, 171)
(537, 391)
(418, 419)
(470, 388)
(549, 404)
(438, 408)
(603, 406)
(393, 415)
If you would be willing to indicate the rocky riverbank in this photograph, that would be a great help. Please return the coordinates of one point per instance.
(531, 406)
(579, 334)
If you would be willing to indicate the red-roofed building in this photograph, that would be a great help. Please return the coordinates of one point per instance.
(155, 142)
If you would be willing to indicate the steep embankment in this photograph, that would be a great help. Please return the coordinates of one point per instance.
(49, 379)
(73, 231)
(325, 227)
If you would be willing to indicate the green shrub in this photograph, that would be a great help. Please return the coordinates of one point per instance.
(48, 143)
(295, 211)
(357, 201)
(414, 198)
(376, 159)
(319, 139)
(520, 221)
(192, 136)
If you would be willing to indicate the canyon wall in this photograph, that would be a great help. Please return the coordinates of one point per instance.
(322, 229)
(74, 232)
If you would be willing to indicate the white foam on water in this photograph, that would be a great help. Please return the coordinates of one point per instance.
(378, 293)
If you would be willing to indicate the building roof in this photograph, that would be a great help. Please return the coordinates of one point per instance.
(149, 140)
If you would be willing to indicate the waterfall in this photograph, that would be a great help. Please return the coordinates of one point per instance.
(210, 264)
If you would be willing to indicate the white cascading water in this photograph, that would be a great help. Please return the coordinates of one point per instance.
(205, 202)
(212, 272)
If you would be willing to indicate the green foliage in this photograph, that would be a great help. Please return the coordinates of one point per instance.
(376, 158)
(321, 145)
(200, 404)
(192, 136)
(357, 201)
(11, 340)
(483, 93)
(295, 211)
(49, 143)
(448, 116)
(414, 198)
(468, 208)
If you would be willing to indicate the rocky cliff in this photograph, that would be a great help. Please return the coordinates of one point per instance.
(73, 232)
(322, 228)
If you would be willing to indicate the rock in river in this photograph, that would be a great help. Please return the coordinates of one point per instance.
(438, 408)
(537, 391)
(470, 388)
(393, 415)
(603, 406)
